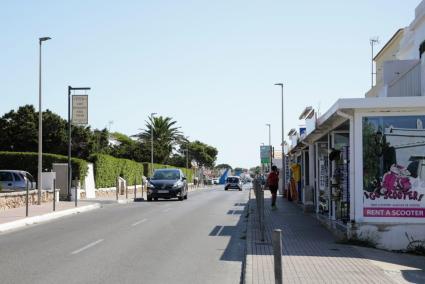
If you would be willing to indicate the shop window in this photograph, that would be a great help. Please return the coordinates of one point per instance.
(394, 166)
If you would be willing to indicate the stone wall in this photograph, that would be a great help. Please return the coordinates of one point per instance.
(18, 198)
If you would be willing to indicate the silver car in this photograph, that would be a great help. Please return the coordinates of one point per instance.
(13, 180)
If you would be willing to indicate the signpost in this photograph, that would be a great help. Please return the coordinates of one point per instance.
(79, 117)
(265, 154)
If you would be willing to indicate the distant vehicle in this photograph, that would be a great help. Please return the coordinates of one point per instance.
(167, 183)
(233, 182)
(15, 180)
(216, 181)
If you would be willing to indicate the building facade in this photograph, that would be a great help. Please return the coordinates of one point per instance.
(362, 163)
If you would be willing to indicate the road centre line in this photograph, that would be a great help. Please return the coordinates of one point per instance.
(87, 246)
(138, 222)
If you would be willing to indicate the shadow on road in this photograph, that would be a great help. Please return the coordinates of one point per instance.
(235, 249)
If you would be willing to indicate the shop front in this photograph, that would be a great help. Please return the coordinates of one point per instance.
(368, 162)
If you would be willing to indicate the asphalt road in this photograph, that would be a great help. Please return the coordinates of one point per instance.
(199, 240)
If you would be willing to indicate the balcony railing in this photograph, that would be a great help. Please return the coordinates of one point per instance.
(408, 84)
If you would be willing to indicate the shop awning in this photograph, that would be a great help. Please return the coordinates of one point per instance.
(343, 108)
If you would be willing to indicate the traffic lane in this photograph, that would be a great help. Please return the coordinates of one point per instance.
(56, 260)
(170, 249)
(26, 247)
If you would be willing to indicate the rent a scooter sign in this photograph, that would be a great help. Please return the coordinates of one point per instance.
(394, 167)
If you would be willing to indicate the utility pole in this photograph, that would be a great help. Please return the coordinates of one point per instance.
(152, 125)
(40, 125)
(270, 144)
(283, 141)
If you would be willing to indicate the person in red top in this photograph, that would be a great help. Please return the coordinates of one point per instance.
(273, 184)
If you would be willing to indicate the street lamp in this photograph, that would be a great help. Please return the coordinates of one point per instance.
(270, 142)
(283, 141)
(40, 124)
(152, 116)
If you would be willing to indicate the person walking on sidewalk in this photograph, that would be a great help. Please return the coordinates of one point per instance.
(273, 184)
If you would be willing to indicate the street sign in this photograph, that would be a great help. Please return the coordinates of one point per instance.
(265, 153)
(80, 107)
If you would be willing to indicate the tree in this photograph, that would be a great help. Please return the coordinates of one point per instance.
(19, 130)
(202, 153)
(166, 137)
(129, 148)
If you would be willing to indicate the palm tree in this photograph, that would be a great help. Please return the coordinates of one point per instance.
(166, 136)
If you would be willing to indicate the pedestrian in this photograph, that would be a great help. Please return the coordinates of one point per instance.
(273, 185)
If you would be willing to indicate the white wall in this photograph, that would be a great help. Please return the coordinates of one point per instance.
(89, 185)
(414, 35)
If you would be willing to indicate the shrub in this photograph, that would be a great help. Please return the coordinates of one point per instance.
(108, 168)
(28, 161)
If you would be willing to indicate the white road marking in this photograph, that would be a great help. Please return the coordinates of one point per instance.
(139, 222)
(87, 246)
(166, 210)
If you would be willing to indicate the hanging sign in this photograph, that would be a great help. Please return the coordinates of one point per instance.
(265, 153)
(80, 107)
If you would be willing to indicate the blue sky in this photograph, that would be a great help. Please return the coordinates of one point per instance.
(210, 65)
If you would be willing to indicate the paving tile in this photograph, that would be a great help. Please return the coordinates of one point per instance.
(310, 253)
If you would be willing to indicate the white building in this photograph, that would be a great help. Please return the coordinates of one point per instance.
(363, 161)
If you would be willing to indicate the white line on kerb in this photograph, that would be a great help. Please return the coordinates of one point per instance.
(87, 246)
(139, 222)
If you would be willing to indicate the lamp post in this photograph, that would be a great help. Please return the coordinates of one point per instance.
(152, 116)
(40, 124)
(270, 142)
(283, 141)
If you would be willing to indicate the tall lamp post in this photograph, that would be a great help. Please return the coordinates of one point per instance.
(152, 116)
(270, 143)
(40, 125)
(283, 141)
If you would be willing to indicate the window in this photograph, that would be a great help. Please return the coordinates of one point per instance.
(17, 177)
(6, 176)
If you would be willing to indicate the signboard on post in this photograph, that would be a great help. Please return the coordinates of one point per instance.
(80, 106)
(265, 154)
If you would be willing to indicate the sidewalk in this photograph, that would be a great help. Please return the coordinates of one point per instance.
(11, 219)
(312, 255)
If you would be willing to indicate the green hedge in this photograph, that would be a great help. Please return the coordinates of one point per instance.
(28, 161)
(147, 170)
(108, 168)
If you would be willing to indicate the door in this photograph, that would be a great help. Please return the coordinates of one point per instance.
(20, 182)
(6, 181)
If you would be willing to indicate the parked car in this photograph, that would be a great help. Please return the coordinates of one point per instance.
(233, 182)
(167, 183)
(216, 181)
(14, 180)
